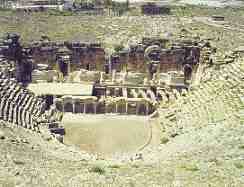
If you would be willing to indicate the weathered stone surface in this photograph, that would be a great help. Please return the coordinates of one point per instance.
(47, 136)
(2, 135)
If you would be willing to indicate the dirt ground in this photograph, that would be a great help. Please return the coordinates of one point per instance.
(107, 134)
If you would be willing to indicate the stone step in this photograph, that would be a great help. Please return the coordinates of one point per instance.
(59, 130)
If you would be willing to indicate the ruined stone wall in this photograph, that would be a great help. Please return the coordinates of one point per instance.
(87, 56)
(93, 59)
(154, 9)
(171, 60)
(116, 63)
(99, 58)
(136, 62)
(44, 55)
(91, 56)
(83, 56)
(132, 61)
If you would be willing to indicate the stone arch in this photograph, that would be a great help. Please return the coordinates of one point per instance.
(150, 50)
(187, 71)
(59, 104)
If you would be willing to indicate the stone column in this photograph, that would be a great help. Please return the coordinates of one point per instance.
(63, 104)
(137, 108)
(84, 109)
(124, 77)
(54, 101)
(126, 107)
(147, 108)
(113, 76)
(95, 107)
(116, 107)
(101, 78)
(73, 107)
(106, 109)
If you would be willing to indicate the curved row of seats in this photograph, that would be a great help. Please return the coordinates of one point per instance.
(216, 100)
(18, 105)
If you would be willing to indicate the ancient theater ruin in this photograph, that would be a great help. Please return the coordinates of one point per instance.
(44, 80)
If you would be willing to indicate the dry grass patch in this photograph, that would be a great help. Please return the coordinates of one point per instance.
(190, 167)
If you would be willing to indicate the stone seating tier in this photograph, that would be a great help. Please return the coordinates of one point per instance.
(214, 101)
(18, 105)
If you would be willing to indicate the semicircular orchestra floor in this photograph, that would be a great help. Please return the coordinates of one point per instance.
(106, 134)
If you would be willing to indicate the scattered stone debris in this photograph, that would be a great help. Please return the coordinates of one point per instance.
(47, 137)
(18, 162)
(218, 18)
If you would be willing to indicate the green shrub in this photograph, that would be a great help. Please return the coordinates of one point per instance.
(239, 165)
(164, 140)
(97, 169)
(118, 47)
(241, 147)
